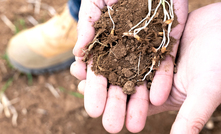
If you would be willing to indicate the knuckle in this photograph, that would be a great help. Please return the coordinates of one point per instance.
(197, 125)
(176, 100)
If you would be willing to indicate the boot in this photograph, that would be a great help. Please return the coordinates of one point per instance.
(46, 47)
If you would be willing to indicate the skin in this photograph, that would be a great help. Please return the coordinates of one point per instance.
(196, 88)
(112, 102)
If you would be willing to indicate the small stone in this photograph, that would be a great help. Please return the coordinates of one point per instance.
(24, 111)
(210, 125)
(129, 88)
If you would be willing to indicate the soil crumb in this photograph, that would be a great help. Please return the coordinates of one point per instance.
(127, 55)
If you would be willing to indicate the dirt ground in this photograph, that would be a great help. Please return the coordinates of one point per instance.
(39, 112)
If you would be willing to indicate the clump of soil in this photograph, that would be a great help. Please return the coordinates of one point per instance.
(126, 59)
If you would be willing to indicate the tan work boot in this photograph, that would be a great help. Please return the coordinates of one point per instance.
(46, 47)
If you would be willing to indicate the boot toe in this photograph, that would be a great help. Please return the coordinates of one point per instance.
(23, 58)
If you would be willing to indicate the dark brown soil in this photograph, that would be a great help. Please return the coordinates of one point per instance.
(125, 60)
(65, 115)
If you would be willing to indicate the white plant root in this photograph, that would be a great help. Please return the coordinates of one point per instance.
(110, 8)
(168, 19)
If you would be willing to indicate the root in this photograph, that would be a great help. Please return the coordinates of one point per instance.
(131, 35)
(138, 66)
(110, 8)
(163, 49)
(132, 77)
(151, 69)
(168, 18)
(96, 41)
(113, 54)
(98, 59)
(98, 33)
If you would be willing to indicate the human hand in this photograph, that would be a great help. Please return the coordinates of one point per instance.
(113, 103)
(197, 84)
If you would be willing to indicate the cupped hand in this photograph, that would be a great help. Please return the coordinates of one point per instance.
(112, 102)
(197, 85)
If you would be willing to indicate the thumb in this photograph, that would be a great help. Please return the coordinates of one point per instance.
(203, 98)
(88, 14)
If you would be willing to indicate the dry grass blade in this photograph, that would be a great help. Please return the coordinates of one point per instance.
(50, 9)
(52, 90)
(37, 6)
(5, 104)
(14, 115)
(8, 23)
(9, 109)
(32, 20)
(1, 108)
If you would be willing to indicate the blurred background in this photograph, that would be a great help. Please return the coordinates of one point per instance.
(30, 105)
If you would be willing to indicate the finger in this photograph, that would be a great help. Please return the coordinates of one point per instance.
(162, 81)
(202, 100)
(95, 93)
(78, 69)
(114, 114)
(81, 86)
(137, 110)
(173, 103)
(110, 2)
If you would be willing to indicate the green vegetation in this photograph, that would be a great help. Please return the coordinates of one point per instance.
(30, 79)
(20, 25)
(5, 57)
(6, 85)
(75, 94)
